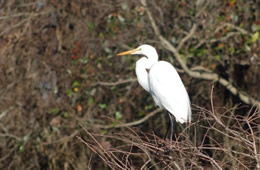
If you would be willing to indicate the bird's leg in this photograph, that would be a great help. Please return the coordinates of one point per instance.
(167, 130)
(170, 123)
(171, 120)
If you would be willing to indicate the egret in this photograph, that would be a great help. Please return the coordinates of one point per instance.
(162, 81)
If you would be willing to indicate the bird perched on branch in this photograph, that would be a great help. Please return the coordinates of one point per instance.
(162, 81)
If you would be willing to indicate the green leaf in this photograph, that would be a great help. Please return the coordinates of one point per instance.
(55, 111)
(191, 12)
(82, 70)
(66, 115)
(247, 48)
(90, 101)
(55, 90)
(120, 18)
(102, 106)
(55, 128)
(221, 18)
(91, 26)
(69, 92)
(21, 148)
(255, 37)
(202, 52)
(26, 138)
(69, 71)
(148, 107)
(232, 50)
(84, 60)
(256, 27)
(140, 114)
(218, 57)
(103, 132)
(114, 124)
(101, 35)
(113, 88)
(124, 6)
(75, 84)
(118, 115)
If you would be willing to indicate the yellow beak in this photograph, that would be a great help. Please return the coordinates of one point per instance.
(128, 52)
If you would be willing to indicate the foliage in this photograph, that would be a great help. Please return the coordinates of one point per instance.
(61, 84)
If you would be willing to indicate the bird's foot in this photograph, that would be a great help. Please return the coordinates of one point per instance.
(167, 150)
(161, 145)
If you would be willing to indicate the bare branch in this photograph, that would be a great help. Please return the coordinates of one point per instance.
(187, 37)
(202, 75)
(21, 14)
(257, 158)
(140, 121)
(114, 83)
(243, 31)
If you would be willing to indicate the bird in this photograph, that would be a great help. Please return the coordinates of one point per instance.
(162, 81)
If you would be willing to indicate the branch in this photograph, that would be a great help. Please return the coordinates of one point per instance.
(231, 34)
(187, 37)
(243, 31)
(8, 29)
(21, 14)
(114, 83)
(140, 121)
(202, 75)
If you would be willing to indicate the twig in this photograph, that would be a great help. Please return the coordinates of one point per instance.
(11, 136)
(63, 139)
(202, 9)
(21, 14)
(202, 75)
(8, 29)
(3, 113)
(132, 123)
(176, 165)
(243, 31)
(107, 153)
(187, 37)
(230, 34)
(114, 83)
(254, 145)
(211, 160)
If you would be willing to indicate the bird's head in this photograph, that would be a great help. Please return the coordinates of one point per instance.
(146, 50)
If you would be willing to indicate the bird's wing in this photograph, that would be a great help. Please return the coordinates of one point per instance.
(166, 85)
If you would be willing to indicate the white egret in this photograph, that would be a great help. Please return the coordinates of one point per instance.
(162, 81)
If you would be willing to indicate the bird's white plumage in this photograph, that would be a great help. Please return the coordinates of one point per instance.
(163, 82)
(168, 90)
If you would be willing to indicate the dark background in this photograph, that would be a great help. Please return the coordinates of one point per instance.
(59, 73)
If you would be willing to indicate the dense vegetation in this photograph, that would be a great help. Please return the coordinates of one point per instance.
(68, 102)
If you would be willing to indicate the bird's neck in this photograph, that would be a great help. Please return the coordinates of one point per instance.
(152, 58)
(142, 68)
